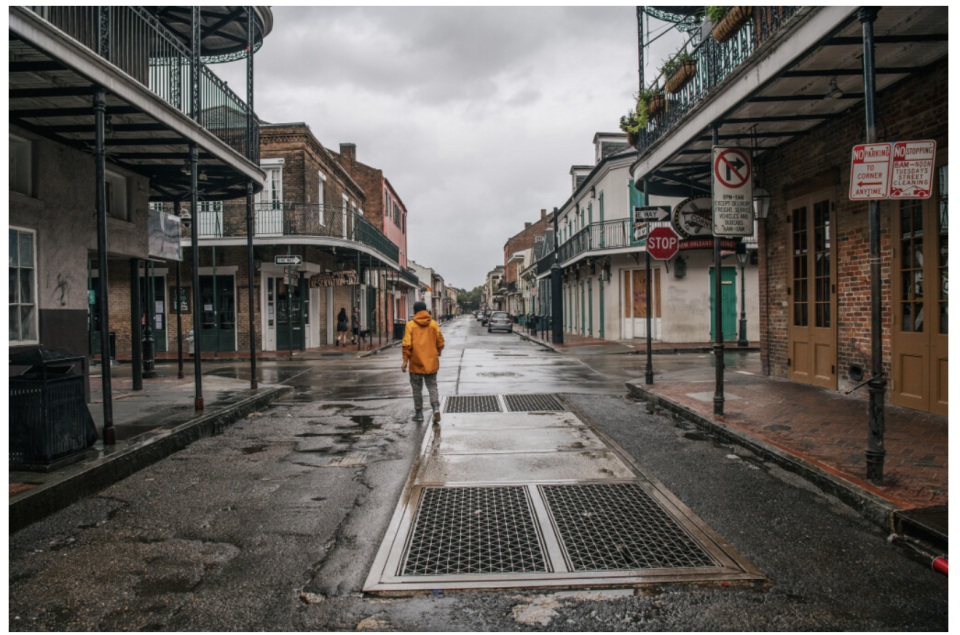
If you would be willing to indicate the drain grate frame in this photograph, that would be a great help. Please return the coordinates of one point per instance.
(474, 530)
(620, 527)
(542, 402)
(471, 404)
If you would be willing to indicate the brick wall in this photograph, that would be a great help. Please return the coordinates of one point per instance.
(913, 109)
(521, 241)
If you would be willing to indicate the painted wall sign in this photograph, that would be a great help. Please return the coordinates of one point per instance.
(334, 279)
(732, 192)
(183, 306)
(870, 172)
(911, 173)
(693, 217)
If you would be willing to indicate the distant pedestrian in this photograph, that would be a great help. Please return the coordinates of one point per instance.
(355, 323)
(342, 325)
(422, 345)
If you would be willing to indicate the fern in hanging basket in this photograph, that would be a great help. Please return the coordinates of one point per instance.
(728, 22)
(678, 71)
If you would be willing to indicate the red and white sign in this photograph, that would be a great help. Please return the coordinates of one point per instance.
(870, 172)
(732, 203)
(911, 175)
(707, 243)
(663, 243)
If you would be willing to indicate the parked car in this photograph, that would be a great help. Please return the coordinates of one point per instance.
(500, 321)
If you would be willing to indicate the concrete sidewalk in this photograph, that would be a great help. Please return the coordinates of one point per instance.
(818, 433)
(150, 424)
(635, 346)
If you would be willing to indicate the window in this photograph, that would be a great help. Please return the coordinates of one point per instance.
(272, 193)
(21, 168)
(396, 214)
(403, 226)
(23, 286)
(116, 196)
(323, 180)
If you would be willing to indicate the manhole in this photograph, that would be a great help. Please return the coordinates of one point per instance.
(472, 403)
(470, 530)
(532, 403)
(619, 526)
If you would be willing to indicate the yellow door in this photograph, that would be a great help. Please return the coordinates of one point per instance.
(812, 326)
(920, 342)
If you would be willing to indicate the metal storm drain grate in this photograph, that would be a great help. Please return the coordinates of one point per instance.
(532, 403)
(619, 526)
(464, 530)
(472, 403)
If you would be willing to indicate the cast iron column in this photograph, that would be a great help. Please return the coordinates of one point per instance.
(359, 290)
(99, 110)
(743, 303)
(718, 312)
(250, 274)
(556, 285)
(195, 253)
(150, 296)
(179, 307)
(135, 335)
(648, 373)
(877, 384)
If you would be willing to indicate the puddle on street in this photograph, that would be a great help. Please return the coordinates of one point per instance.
(253, 449)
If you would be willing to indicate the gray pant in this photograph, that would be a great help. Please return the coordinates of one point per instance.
(416, 381)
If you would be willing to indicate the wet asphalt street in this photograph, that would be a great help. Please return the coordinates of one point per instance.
(275, 524)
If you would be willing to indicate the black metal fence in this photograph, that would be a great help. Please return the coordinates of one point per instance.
(141, 46)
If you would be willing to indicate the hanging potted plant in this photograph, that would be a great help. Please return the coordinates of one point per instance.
(636, 119)
(678, 71)
(728, 21)
(657, 103)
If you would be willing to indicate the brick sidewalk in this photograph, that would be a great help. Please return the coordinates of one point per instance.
(827, 429)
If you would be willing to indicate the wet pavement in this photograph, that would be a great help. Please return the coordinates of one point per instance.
(275, 523)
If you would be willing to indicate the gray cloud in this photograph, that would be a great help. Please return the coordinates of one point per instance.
(474, 114)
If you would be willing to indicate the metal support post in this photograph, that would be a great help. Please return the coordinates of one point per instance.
(648, 373)
(743, 342)
(149, 345)
(250, 271)
(718, 313)
(556, 285)
(252, 143)
(289, 282)
(304, 304)
(195, 253)
(99, 110)
(216, 304)
(135, 319)
(359, 290)
(179, 307)
(878, 384)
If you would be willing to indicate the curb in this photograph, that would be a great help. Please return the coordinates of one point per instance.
(549, 347)
(377, 350)
(51, 497)
(872, 507)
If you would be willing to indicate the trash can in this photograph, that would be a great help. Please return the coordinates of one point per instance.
(398, 328)
(50, 424)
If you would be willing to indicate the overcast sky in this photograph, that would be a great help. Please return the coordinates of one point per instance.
(475, 115)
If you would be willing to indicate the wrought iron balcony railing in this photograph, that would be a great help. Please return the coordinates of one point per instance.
(229, 220)
(715, 62)
(142, 47)
(544, 264)
(611, 234)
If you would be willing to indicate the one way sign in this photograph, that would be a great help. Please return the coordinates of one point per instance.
(651, 214)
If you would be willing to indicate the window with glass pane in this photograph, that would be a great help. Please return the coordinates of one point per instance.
(821, 284)
(22, 290)
(942, 246)
(911, 266)
(800, 314)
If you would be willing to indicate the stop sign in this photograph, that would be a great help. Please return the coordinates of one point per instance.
(663, 243)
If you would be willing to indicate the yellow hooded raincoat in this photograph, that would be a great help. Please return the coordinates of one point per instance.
(422, 344)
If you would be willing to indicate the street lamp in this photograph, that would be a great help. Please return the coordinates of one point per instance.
(761, 203)
(742, 257)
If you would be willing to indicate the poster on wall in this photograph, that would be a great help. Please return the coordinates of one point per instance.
(183, 306)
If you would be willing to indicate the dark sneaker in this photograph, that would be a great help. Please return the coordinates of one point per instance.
(436, 415)
(418, 415)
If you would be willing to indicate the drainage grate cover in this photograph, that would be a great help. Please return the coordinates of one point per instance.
(474, 530)
(619, 526)
(532, 403)
(472, 403)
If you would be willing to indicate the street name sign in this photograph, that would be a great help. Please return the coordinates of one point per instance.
(911, 174)
(732, 192)
(870, 172)
(663, 243)
(287, 260)
(651, 214)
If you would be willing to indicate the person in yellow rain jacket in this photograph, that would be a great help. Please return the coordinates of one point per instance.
(422, 345)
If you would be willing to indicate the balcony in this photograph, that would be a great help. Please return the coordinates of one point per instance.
(141, 46)
(715, 62)
(545, 263)
(611, 234)
(281, 220)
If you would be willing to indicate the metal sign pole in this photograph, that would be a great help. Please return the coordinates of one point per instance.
(99, 109)
(648, 373)
(718, 312)
(289, 282)
(179, 306)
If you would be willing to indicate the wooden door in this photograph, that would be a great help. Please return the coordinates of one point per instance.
(920, 342)
(812, 292)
